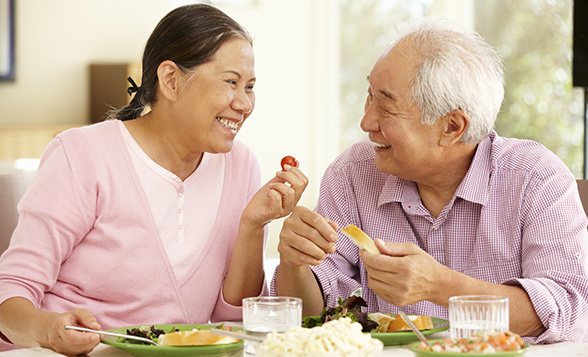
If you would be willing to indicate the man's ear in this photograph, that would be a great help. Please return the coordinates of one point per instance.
(456, 124)
(168, 75)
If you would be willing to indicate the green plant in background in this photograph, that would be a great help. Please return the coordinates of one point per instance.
(533, 36)
(535, 39)
(368, 27)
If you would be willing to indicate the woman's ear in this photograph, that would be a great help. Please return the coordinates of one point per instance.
(456, 124)
(168, 75)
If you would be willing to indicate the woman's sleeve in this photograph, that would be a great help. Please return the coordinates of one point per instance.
(224, 311)
(53, 218)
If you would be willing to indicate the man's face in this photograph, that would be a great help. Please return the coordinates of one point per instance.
(404, 147)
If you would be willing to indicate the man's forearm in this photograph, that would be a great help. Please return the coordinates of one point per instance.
(523, 318)
(299, 281)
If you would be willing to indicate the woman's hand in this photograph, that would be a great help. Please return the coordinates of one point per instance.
(26, 326)
(277, 198)
(72, 342)
(274, 200)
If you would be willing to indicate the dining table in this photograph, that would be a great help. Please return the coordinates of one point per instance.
(566, 349)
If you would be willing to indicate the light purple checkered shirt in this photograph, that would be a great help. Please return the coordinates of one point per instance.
(515, 219)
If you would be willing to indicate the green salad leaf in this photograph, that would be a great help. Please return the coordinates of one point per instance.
(149, 332)
(350, 307)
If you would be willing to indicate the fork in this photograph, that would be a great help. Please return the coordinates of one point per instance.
(414, 328)
(131, 337)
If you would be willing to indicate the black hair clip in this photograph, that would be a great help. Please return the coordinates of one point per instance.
(133, 88)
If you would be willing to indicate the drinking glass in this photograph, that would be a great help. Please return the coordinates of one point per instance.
(264, 314)
(472, 314)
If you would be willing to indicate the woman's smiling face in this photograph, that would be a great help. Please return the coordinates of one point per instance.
(217, 98)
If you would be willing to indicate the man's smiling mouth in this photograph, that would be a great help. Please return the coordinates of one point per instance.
(381, 146)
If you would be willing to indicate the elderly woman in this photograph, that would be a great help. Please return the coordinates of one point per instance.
(156, 216)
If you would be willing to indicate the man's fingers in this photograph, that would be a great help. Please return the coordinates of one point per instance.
(306, 238)
(334, 225)
(319, 224)
(397, 249)
(291, 255)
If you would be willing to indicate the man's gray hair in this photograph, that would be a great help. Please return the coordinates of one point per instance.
(456, 69)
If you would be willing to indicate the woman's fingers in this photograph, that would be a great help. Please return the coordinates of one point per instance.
(72, 342)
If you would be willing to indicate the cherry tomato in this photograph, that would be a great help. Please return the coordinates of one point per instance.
(289, 160)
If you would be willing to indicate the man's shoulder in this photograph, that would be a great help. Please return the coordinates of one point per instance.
(356, 166)
(358, 153)
(524, 155)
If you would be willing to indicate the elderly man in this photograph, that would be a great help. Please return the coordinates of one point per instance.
(454, 208)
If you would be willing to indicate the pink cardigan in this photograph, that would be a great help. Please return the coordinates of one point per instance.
(87, 239)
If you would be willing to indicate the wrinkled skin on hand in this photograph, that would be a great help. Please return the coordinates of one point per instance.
(70, 342)
(306, 238)
(403, 274)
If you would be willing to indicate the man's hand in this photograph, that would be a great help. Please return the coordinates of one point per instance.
(404, 274)
(306, 238)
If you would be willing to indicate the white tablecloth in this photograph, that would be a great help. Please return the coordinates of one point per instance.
(565, 349)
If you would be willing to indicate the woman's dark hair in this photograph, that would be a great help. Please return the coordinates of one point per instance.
(189, 36)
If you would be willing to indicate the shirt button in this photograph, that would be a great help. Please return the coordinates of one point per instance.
(179, 210)
(180, 227)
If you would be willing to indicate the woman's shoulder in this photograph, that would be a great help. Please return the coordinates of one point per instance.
(91, 145)
(87, 139)
(96, 130)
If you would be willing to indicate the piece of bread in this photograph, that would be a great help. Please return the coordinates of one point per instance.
(362, 240)
(421, 322)
(193, 337)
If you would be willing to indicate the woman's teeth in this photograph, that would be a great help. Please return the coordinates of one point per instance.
(378, 145)
(228, 123)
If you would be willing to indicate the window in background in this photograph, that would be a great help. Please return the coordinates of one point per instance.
(535, 40)
(368, 27)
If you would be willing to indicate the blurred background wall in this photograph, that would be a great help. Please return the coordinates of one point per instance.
(312, 58)
(57, 41)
